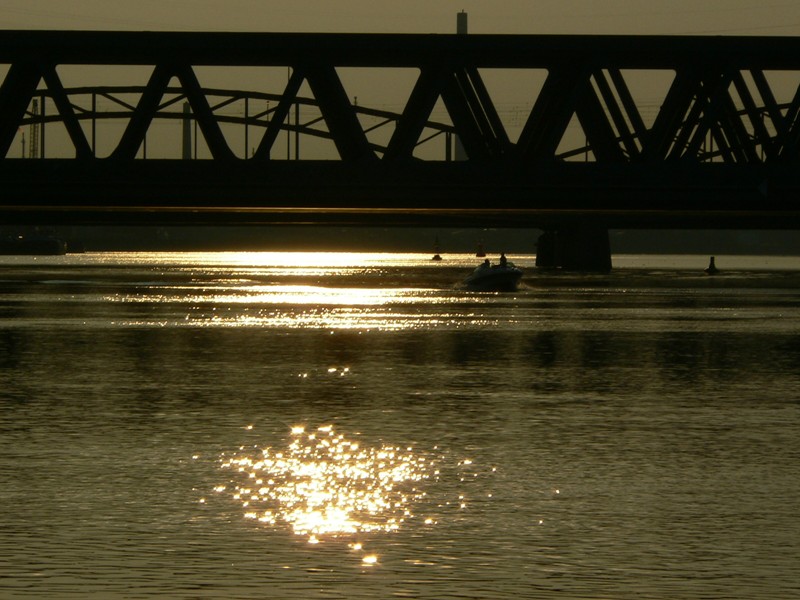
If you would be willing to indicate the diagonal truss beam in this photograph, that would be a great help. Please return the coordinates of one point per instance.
(629, 105)
(670, 119)
(616, 112)
(339, 114)
(484, 106)
(600, 134)
(143, 115)
(551, 113)
(279, 116)
(790, 141)
(426, 92)
(754, 116)
(474, 116)
(203, 113)
(65, 109)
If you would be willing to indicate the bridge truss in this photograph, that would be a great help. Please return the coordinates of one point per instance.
(720, 148)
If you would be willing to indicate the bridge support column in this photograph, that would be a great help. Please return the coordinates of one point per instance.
(575, 249)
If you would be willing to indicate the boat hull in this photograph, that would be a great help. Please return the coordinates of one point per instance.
(494, 279)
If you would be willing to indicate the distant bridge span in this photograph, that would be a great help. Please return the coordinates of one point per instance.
(722, 148)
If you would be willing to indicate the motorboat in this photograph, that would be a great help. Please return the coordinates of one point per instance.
(503, 277)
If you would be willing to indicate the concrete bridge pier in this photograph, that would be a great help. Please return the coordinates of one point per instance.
(580, 248)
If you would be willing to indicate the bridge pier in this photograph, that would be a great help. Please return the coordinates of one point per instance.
(581, 248)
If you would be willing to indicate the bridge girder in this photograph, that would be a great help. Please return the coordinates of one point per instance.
(720, 133)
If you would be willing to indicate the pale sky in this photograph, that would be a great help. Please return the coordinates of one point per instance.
(671, 17)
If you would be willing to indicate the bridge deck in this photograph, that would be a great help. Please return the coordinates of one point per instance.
(397, 50)
(457, 194)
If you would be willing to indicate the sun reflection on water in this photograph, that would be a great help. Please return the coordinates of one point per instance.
(305, 307)
(323, 484)
(333, 291)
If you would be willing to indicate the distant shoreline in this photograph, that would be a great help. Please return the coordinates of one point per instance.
(394, 239)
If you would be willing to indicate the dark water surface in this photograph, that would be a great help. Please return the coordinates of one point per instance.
(634, 435)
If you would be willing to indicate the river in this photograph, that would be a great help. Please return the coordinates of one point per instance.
(311, 425)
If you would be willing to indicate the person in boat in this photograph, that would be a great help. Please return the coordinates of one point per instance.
(483, 267)
(503, 259)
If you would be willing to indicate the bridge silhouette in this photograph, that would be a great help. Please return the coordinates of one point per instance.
(720, 149)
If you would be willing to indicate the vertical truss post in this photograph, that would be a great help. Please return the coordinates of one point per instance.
(94, 124)
(43, 106)
(246, 127)
(297, 131)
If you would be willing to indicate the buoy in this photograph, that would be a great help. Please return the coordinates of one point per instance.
(436, 256)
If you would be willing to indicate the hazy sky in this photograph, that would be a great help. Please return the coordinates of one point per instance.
(725, 17)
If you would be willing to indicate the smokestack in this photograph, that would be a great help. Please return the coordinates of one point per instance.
(461, 23)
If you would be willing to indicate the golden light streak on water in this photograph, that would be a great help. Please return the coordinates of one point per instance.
(323, 484)
(303, 307)
(322, 261)
(283, 290)
(295, 295)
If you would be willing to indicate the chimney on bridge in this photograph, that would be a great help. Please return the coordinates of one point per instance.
(461, 23)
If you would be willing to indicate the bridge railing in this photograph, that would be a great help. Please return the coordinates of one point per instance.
(97, 105)
(252, 112)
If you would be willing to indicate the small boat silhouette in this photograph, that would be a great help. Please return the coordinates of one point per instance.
(503, 277)
(436, 250)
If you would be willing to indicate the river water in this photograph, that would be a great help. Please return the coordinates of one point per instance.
(359, 426)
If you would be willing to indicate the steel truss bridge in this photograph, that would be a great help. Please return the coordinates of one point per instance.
(721, 149)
